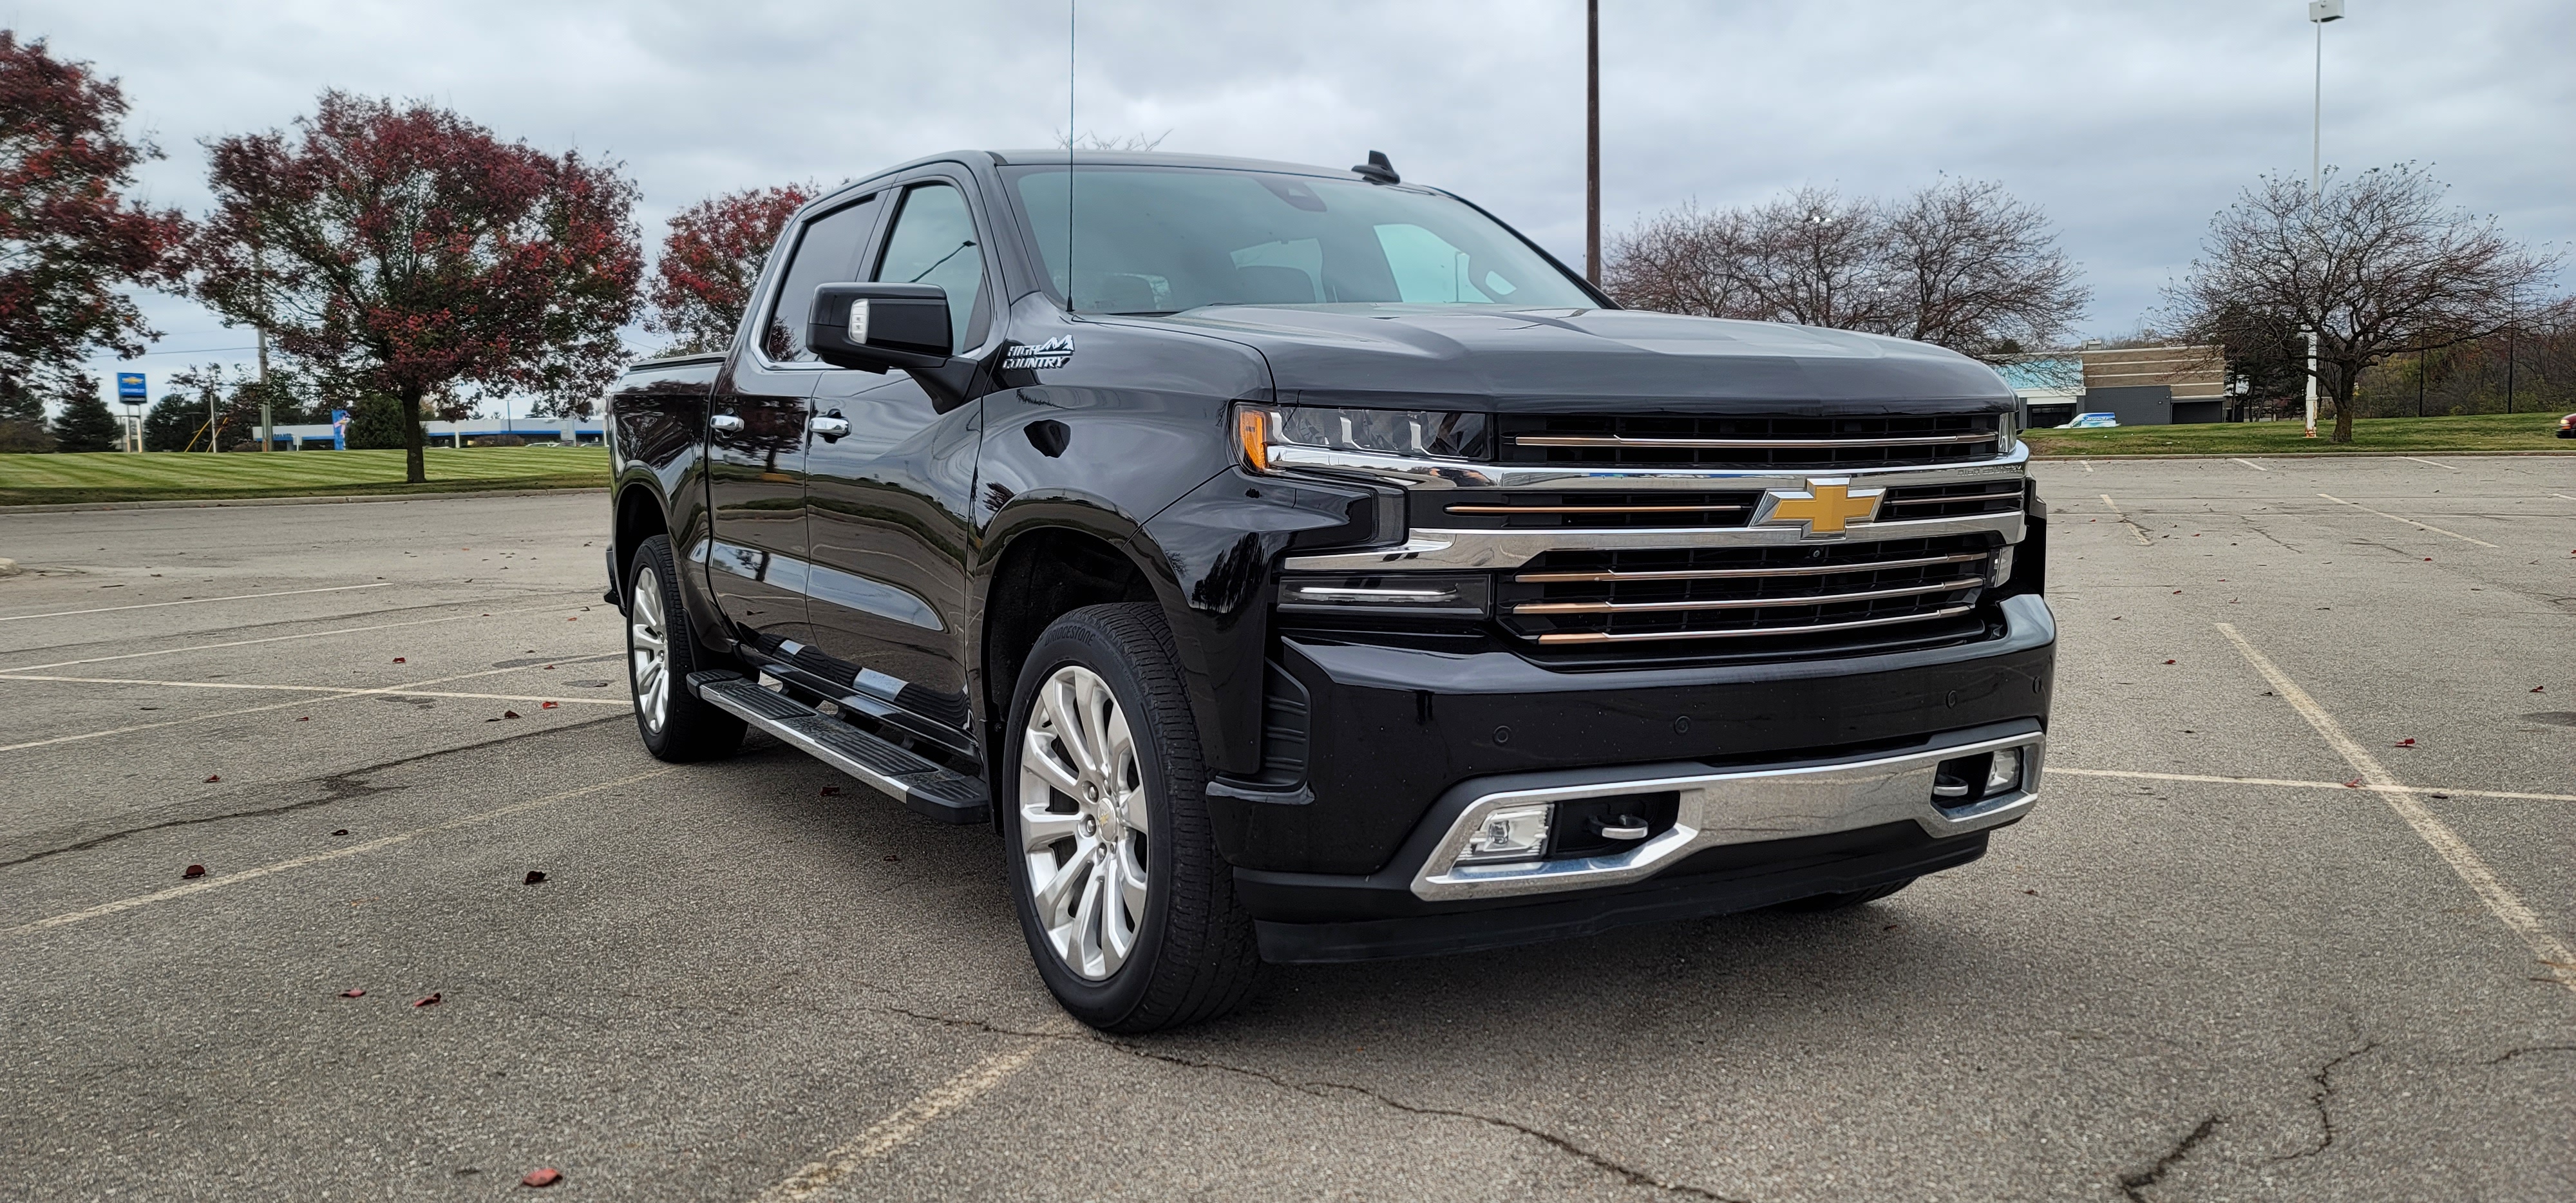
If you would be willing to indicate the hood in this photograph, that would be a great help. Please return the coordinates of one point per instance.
(1576, 360)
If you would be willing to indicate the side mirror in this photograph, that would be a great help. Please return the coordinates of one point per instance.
(873, 327)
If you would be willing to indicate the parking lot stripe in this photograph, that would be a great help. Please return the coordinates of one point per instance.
(203, 884)
(335, 690)
(2365, 787)
(2135, 531)
(2408, 521)
(892, 1132)
(196, 601)
(2251, 464)
(412, 690)
(2444, 467)
(2446, 843)
(210, 647)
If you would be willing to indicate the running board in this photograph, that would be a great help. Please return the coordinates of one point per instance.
(942, 794)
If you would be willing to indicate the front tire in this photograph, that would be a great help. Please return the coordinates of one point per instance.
(661, 651)
(1128, 908)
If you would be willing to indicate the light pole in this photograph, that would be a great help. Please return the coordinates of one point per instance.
(2320, 12)
(1592, 142)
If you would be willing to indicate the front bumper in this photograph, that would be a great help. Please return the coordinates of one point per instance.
(1793, 779)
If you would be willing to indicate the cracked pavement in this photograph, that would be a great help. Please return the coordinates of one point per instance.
(2152, 989)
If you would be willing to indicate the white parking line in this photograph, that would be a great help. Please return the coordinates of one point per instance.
(338, 690)
(2251, 464)
(412, 689)
(203, 884)
(2135, 531)
(2446, 843)
(2408, 521)
(209, 647)
(196, 601)
(2088, 464)
(2444, 467)
(892, 1132)
(2364, 788)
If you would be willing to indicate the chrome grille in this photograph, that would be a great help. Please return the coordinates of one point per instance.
(1597, 597)
(1587, 509)
(1947, 501)
(1806, 444)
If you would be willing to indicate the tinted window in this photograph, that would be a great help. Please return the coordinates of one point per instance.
(828, 253)
(934, 243)
(1164, 239)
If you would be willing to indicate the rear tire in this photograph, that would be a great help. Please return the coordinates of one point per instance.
(1845, 901)
(1128, 908)
(662, 649)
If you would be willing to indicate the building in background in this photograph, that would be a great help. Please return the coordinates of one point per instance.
(2141, 386)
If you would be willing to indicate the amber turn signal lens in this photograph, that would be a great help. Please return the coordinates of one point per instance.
(1251, 429)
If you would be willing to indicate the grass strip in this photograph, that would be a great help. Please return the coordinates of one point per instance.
(180, 476)
(2457, 433)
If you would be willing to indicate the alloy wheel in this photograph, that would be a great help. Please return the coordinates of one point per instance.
(1084, 826)
(648, 645)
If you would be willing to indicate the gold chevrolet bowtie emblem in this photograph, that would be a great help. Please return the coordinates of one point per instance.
(1826, 507)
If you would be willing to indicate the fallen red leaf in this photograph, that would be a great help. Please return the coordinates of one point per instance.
(341, 831)
(542, 1176)
(509, 714)
(398, 659)
(193, 871)
(534, 876)
(2539, 689)
(306, 719)
(2428, 559)
(2407, 742)
(2168, 661)
(211, 778)
(545, 705)
(2177, 593)
(353, 994)
(830, 790)
(2355, 783)
(430, 1001)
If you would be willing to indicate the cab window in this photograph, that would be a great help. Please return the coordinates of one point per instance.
(933, 242)
(827, 252)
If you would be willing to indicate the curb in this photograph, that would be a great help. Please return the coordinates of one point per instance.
(67, 507)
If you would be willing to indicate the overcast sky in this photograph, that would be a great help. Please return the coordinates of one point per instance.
(2129, 123)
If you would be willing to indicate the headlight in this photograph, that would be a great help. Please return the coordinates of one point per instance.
(1396, 433)
(2007, 426)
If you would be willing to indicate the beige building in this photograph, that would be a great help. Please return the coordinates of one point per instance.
(2156, 386)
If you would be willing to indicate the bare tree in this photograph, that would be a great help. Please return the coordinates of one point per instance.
(1980, 272)
(1960, 263)
(2377, 265)
(1682, 261)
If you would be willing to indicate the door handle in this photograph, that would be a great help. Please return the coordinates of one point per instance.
(830, 428)
(726, 423)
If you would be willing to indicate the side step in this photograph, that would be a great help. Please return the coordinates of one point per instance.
(942, 794)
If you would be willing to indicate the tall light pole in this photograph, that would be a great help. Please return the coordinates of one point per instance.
(1592, 141)
(2319, 12)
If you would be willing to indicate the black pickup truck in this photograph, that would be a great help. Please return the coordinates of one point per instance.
(1301, 565)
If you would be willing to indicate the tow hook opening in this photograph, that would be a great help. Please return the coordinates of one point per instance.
(1968, 780)
(1612, 824)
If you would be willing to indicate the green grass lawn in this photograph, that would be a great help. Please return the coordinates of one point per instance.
(182, 476)
(2471, 432)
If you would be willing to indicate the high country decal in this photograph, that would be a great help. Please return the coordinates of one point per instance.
(1053, 353)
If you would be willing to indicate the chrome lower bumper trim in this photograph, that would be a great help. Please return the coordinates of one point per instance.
(1737, 807)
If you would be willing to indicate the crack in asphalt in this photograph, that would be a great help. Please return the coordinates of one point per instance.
(2133, 1185)
(341, 786)
(2322, 1099)
(1626, 1173)
(2511, 1053)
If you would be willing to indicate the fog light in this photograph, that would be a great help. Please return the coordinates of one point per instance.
(2005, 774)
(1509, 833)
(1999, 566)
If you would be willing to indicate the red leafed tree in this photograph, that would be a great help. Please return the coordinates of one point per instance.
(69, 239)
(407, 252)
(710, 260)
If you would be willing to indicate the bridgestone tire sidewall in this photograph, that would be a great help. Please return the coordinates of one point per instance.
(691, 729)
(1112, 1004)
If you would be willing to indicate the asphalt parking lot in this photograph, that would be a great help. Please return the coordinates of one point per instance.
(2291, 921)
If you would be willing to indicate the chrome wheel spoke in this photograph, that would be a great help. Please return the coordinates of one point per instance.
(1038, 756)
(648, 647)
(1087, 922)
(1041, 830)
(1075, 871)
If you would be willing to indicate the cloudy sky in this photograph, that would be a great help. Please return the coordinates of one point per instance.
(2130, 123)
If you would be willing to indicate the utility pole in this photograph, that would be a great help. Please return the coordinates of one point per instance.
(267, 415)
(1592, 141)
(2319, 12)
(2513, 324)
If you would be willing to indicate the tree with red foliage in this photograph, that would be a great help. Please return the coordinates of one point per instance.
(69, 239)
(710, 260)
(407, 252)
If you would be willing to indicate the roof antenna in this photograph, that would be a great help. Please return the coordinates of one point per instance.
(1377, 170)
(1071, 139)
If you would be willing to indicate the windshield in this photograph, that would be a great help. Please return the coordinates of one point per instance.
(1165, 239)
